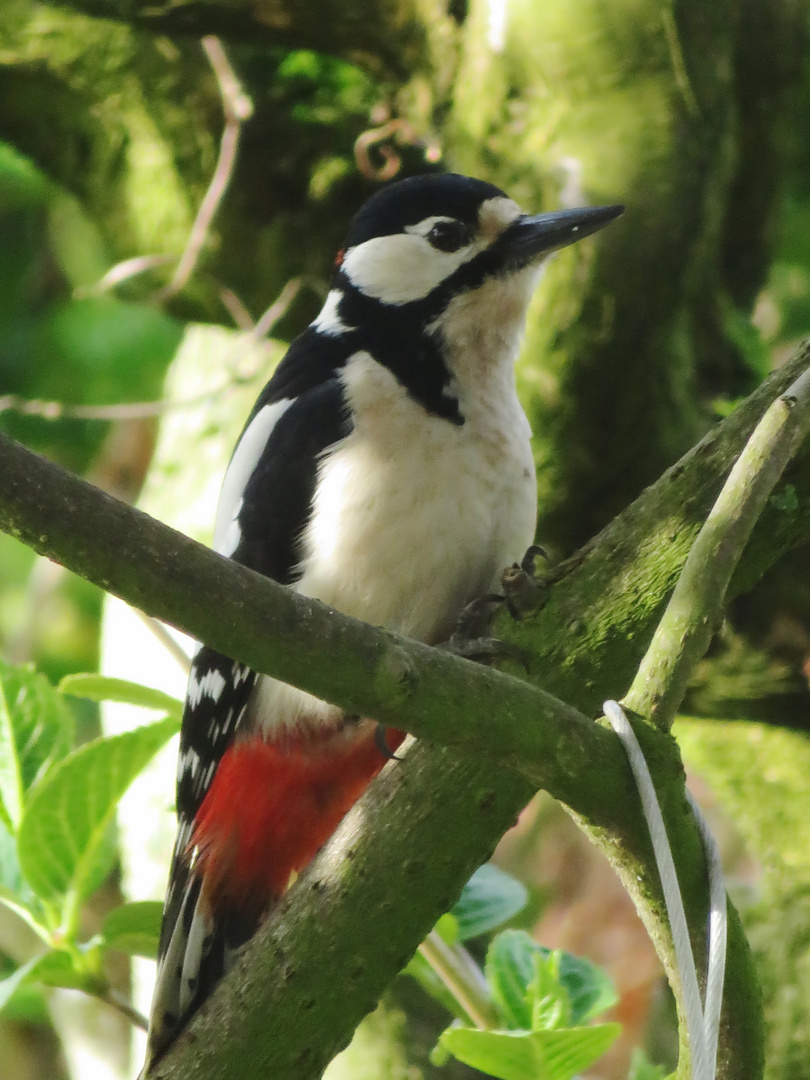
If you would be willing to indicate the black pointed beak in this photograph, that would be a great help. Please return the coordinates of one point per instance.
(540, 234)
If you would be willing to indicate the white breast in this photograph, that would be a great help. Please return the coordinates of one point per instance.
(414, 516)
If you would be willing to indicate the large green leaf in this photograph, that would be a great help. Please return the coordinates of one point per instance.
(489, 899)
(134, 928)
(41, 724)
(102, 688)
(53, 968)
(530, 1055)
(11, 790)
(11, 878)
(69, 813)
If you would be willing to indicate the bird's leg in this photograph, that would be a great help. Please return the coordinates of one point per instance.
(525, 592)
(471, 638)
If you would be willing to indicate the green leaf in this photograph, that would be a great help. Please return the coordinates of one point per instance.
(27, 1006)
(641, 1068)
(102, 860)
(41, 722)
(489, 899)
(67, 818)
(16, 907)
(53, 968)
(101, 688)
(447, 929)
(512, 972)
(530, 1055)
(509, 969)
(11, 790)
(134, 928)
(547, 997)
(589, 989)
(11, 878)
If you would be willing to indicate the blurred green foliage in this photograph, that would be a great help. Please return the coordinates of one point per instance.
(90, 351)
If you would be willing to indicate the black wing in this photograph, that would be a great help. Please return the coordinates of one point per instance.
(275, 508)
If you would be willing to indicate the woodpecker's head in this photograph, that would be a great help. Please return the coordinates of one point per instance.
(436, 275)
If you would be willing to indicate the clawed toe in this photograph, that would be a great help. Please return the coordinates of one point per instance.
(484, 650)
(475, 621)
(471, 638)
(523, 591)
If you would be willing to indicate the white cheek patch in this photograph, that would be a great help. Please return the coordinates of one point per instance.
(401, 268)
(227, 533)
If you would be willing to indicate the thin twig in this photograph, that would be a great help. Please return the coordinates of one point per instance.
(136, 410)
(236, 309)
(58, 410)
(238, 108)
(169, 643)
(277, 310)
(123, 271)
(120, 1003)
(692, 615)
(462, 977)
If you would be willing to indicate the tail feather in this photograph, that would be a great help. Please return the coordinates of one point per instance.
(201, 949)
(198, 944)
(266, 812)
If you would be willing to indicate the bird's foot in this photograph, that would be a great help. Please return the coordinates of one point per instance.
(471, 639)
(524, 591)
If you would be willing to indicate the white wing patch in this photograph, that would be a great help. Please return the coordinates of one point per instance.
(227, 533)
(188, 762)
(329, 321)
(211, 684)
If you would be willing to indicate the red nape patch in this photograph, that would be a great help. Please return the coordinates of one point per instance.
(271, 807)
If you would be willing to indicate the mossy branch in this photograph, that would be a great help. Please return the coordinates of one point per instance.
(695, 609)
(401, 856)
(387, 36)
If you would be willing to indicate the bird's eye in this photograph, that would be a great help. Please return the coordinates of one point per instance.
(449, 235)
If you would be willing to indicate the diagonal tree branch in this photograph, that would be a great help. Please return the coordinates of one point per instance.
(691, 619)
(299, 992)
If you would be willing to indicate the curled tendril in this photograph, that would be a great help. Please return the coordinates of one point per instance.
(376, 139)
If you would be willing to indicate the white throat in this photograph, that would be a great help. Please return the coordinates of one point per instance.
(481, 331)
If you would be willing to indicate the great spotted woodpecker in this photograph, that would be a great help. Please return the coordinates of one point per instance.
(385, 469)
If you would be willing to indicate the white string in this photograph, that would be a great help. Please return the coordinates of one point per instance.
(702, 1028)
(718, 933)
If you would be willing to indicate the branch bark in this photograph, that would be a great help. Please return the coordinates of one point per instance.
(381, 36)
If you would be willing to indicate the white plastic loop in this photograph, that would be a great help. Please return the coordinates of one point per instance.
(702, 1025)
